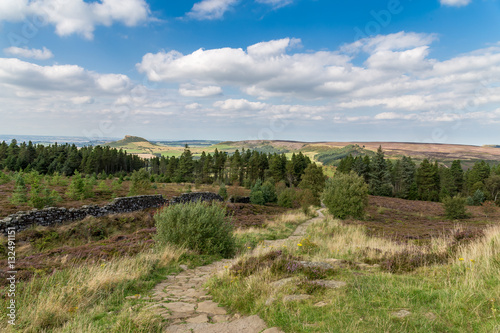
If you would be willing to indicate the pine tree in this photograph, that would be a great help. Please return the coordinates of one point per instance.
(20, 191)
(380, 176)
(426, 181)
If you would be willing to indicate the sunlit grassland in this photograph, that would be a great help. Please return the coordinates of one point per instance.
(460, 295)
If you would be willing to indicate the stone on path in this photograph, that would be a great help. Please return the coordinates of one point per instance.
(179, 306)
(252, 324)
(320, 304)
(220, 318)
(210, 307)
(203, 318)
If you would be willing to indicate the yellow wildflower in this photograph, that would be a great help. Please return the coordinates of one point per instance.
(299, 244)
(461, 259)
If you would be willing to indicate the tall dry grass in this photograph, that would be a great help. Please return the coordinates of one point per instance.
(69, 297)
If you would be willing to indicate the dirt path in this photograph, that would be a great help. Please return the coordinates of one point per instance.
(183, 300)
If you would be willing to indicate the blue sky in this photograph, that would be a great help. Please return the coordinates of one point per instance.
(308, 70)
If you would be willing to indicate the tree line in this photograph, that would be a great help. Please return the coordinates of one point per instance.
(429, 181)
(67, 159)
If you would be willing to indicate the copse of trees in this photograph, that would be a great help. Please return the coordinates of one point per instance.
(66, 159)
(428, 181)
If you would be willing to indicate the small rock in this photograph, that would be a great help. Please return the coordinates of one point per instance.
(210, 307)
(279, 283)
(184, 267)
(331, 284)
(320, 304)
(270, 301)
(401, 313)
(293, 298)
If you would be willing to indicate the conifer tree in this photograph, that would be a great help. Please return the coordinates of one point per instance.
(380, 176)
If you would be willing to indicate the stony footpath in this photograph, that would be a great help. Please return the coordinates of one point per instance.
(184, 301)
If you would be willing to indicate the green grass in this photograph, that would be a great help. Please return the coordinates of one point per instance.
(462, 295)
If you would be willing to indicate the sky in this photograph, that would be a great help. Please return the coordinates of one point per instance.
(304, 70)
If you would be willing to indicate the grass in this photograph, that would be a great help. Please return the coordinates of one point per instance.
(277, 228)
(91, 298)
(462, 294)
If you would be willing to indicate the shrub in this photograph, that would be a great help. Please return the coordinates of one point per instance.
(256, 194)
(346, 195)
(223, 191)
(477, 199)
(20, 192)
(4, 178)
(455, 207)
(286, 198)
(269, 192)
(41, 196)
(198, 226)
(79, 189)
(141, 182)
(488, 208)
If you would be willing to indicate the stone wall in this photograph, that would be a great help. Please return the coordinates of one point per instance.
(51, 216)
(196, 196)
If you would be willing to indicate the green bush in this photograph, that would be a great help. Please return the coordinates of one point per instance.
(269, 192)
(346, 195)
(286, 198)
(79, 188)
(4, 178)
(141, 182)
(455, 207)
(198, 226)
(20, 191)
(223, 191)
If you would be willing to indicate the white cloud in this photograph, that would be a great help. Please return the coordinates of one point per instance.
(190, 90)
(455, 3)
(239, 104)
(275, 3)
(76, 16)
(20, 75)
(398, 74)
(210, 9)
(42, 54)
(82, 100)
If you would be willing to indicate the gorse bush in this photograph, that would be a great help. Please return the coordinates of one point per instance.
(198, 226)
(455, 207)
(346, 195)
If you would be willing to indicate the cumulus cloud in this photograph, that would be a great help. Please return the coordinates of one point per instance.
(38, 54)
(455, 3)
(210, 9)
(21, 75)
(76, 16)
(397, 73)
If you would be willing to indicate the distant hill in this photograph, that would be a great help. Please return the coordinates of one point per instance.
(130, 140)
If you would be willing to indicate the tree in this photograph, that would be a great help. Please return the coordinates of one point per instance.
(493, 186)
(20, 191)
(380, 176)
(458, 175)
(346, 195)
(256, 194)
(314, 180)
(455, 207)
(426, 182)
(141, 182)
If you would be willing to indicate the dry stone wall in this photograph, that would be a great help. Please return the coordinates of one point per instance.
(51, 216)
